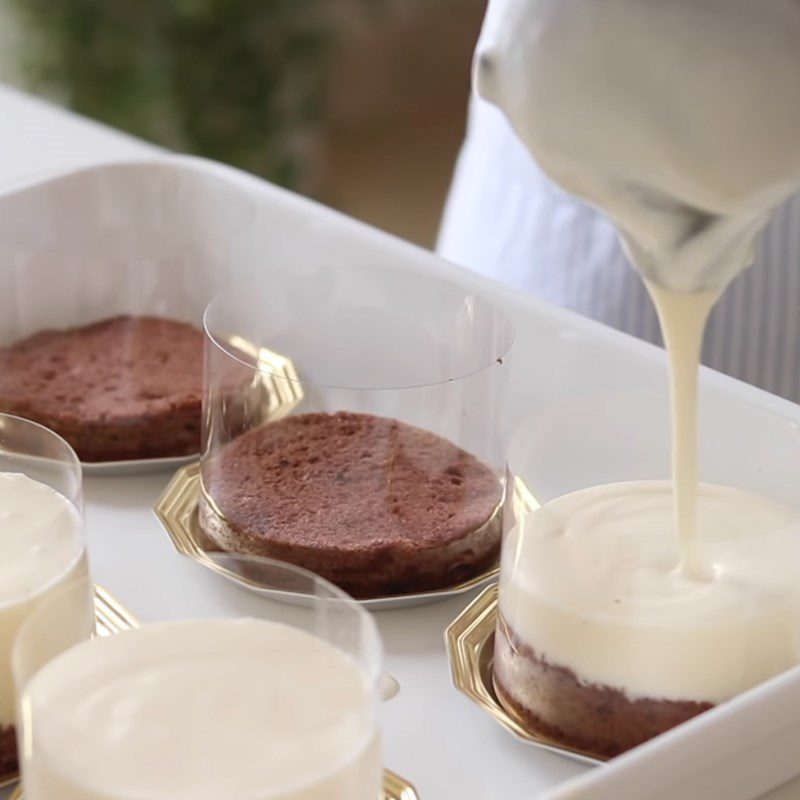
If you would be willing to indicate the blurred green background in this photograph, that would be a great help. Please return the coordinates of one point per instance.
(241, 81)
(323, 96)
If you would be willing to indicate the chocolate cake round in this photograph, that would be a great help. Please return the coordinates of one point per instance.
(374, 505)
(118, 389)
(599, 720)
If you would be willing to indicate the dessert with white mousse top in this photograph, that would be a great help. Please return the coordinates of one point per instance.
(680, 121)
(202, 710)
(602, 643)
(43, 561)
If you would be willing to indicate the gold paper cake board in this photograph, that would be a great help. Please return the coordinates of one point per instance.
(276, 378)
(470, 649)
(397, 788)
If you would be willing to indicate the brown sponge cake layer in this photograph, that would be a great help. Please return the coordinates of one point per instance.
(552, 700)
(122, 388)
(8, 751)
(372, 504)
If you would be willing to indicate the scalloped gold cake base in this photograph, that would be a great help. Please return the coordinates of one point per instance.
(177, 510)
(397, 788)
(470, 649)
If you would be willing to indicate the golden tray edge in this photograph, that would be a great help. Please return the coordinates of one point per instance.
(469, 641)
(176, 510)
(397, 788)
(111, 617)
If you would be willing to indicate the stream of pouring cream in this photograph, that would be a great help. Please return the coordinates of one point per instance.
(683, 318)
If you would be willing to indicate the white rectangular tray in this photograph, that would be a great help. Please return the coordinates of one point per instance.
(569, 373)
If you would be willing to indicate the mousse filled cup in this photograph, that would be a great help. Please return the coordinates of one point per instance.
(279, 705)
(42, 555)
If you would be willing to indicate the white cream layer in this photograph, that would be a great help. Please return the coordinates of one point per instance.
(42, 559)
(207, 709)
(588, 582)
(678, 119)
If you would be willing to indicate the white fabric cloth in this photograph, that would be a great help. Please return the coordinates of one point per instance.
(508, 221)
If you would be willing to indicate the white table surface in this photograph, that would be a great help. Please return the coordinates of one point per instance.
(432, 735)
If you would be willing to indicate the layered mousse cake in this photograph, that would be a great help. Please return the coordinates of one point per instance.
(374, 505)
(214, 709)
(602, 642)
(118, 389)
(43, 570)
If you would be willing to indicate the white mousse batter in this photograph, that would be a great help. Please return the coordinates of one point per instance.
(42, 559)
(243, 709)
(587, 580)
